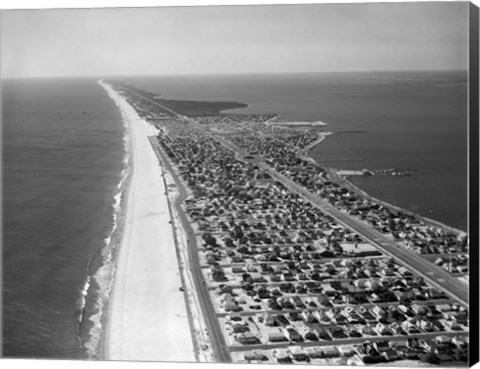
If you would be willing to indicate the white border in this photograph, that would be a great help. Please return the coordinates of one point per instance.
(46, 4)
(54, 4)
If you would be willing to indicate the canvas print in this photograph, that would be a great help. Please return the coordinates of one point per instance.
(238, 184)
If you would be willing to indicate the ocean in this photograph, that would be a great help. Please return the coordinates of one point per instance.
(65, 163)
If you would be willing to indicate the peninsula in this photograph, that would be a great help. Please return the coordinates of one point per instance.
(245, 250)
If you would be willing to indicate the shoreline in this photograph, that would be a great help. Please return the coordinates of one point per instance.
(144, 301)
(103, 277)
(428, 221)
(305, 153)
(125, 183)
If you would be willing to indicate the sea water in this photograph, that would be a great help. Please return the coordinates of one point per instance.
(64, 170)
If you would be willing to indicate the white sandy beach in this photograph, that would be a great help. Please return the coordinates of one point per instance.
(147, 319)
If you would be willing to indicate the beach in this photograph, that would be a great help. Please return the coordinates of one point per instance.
(147, 317)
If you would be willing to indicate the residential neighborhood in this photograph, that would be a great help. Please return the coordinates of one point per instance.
(289, 282)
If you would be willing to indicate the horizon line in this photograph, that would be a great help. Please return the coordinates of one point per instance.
(233, 73)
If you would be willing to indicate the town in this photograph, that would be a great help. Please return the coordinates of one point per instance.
(297, 266)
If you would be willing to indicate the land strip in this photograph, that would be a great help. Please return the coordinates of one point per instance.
(264, 279)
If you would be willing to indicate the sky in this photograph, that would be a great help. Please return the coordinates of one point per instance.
(234, 39)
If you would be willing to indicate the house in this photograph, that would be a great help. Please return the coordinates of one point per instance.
(409, 327)
(270, 321)
(427, 326)
(263, 293)
(361, 283)
(324, 300)
(369, 330)
(381, 346)
(309, 334)
(293, 316)
(240, 327)
(353, 317)
(405, 310)
(329, 268)
(314, 352)
(211, 259)
(321, 316)
(404, 271)
(419, 309)
(288, 276)
(235, 316)
(378, 312)
(453, 325)
(231, 305)
(282, 355)
(337, 332)
(298, 302)
(460, 342)
(383, 329)
(329, 352)
(396, 328)
(297, 353)
(276, 336)
(255, 356)
(293, 335)
(346, 351)
(246, 338)
(237, 259)
(364, 313)
(218, 275)
(340, 318)
(285, 303)
(391, 355)
(329, 290)
(324, 333)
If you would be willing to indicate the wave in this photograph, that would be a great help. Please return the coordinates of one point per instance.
(103, 278)
(82, 299)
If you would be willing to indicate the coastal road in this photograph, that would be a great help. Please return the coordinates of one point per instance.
(437, 276)
(213, 326)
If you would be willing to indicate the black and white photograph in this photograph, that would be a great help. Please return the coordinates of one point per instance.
(246, 184)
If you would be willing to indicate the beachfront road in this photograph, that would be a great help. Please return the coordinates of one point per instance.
(213, 326)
